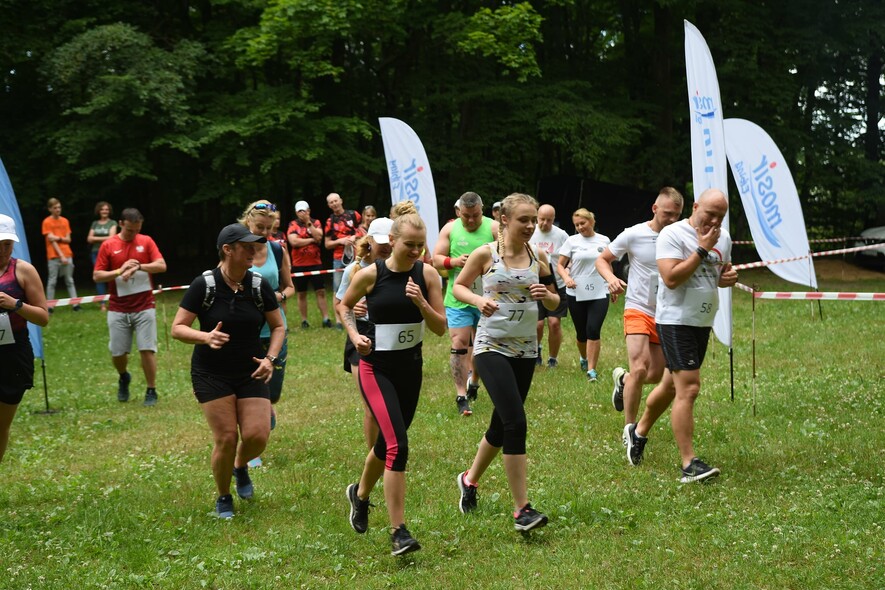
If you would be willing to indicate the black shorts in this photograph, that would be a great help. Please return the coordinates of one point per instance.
(560, 312)
(16, 369)
(684, 347)
(318, 282)
(212, 386)
(351, 354)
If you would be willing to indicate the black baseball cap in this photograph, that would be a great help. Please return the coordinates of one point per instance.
(237, 232)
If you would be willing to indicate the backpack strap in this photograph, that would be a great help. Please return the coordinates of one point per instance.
(256, 290)
(209, 297)
(277, 250)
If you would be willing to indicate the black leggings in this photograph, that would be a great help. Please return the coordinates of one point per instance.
(508, 380)
(587, 317)
(393, 398)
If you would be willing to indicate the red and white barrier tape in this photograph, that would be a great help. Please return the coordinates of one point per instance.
(813, 241)
(814, 254)
(99, 298)
(812, 295)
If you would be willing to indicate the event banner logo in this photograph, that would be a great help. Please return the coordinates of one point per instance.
(758, 184)
(405, 184)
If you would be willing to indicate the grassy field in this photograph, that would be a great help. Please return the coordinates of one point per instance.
(109, 495)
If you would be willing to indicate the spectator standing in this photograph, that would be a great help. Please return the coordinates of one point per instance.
(304, 236)
(59, 257)
(102, 228)
(342, 230)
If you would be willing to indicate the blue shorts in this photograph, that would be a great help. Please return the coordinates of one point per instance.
(462, 317)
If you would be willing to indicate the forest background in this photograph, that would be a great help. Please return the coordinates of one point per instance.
(188, 109)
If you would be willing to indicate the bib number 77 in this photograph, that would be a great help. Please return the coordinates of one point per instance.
(516, 315)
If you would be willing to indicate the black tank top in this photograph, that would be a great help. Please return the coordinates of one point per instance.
(388, 304)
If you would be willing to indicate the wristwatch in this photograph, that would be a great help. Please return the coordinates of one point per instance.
(18, 305)
(275, 361)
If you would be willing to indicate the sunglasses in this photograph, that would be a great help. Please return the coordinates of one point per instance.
(265, 207)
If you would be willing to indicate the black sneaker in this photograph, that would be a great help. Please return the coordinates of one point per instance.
(539, 360)
(245, 489)
(327, 323)
(224, 506)
(123, 387)
(150, 397)
(528, 518)
(304, 324)
(697, 470)
(618, 393)
(359, 509)
(468, 495)
(463, 406)
(635, 444)
(402, 541)
(472, 391)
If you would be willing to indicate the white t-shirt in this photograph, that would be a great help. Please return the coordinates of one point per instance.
(639, 242)
(550, 242)
(694, 302)
(582, 253)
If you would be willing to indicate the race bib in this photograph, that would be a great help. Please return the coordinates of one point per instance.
(589, 287)
(699, 307)
(513, 320)
(652, 290)
(6, 335)
(476, 287)
(137, 283)
(398, 336)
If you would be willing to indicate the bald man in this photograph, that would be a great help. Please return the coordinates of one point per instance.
(694, 258)
(549, 238)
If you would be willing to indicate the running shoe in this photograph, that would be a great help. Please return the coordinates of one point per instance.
(327, 323)
(224, 506)
(539, 361)
(150, 397)
(245, 489)
(359, 509)
(528, 518)
(402, 541)
(76, 308)
(468, 495)
(253, 463)
(123, 387)
(472, 388)
(592, 375)
(552, 363)
(584, 365)
(618, 376)
(697, 470)
(635, 444)
(463, 406)
(304, 324)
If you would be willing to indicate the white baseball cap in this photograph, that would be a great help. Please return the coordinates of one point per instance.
(7, 228)
(380, 228)
(301, 206)
(496, 205)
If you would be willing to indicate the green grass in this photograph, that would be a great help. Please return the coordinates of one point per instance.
(110, 495)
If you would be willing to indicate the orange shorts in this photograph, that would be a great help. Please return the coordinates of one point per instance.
(636, 322)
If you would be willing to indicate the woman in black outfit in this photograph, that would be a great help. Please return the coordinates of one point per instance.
(229, 369)
(402, 294)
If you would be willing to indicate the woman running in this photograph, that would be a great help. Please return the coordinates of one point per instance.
(21, 301)
(514, 277)
(402, 295)
(369, 248)
(229, 369)
(586, 290)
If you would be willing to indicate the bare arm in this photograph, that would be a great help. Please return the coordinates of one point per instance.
(605, 270)
(441, 251)
(362, 283)
(277, 334)
(562, 268)
(478, 262)
(546, 294)
(432, 309)
(287, 287)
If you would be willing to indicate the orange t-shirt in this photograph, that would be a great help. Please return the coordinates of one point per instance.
(60, 228)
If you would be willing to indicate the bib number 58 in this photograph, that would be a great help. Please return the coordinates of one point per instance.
(706, 307)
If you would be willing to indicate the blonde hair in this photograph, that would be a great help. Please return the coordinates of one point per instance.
(403, 208)
(412, 219)
(673, 194)
(250, 212)
(510, 203)
(588, 215)
(361, 249)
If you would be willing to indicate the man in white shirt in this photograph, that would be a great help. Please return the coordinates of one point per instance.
(694, 258)
(643, 345)
(549, 238)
